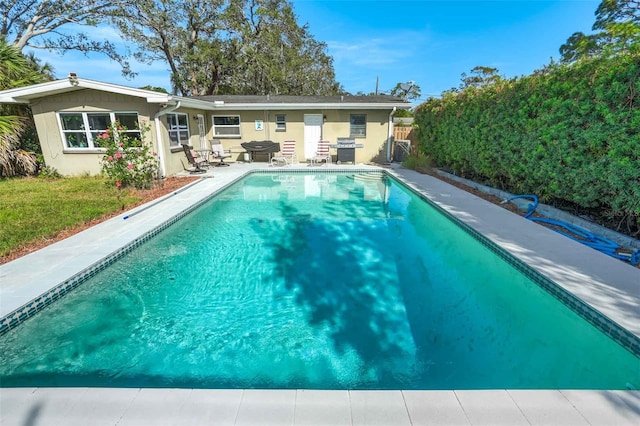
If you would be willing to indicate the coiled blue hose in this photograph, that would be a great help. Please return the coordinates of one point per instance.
(577, 233)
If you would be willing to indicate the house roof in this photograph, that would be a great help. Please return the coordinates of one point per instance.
(25, 95)
(305, 102)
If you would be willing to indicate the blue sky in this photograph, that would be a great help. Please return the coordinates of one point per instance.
(429, 42)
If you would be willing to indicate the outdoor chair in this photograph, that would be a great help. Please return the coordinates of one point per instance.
(287, 155)
(197, 162)
(218, 152)
(322, 154)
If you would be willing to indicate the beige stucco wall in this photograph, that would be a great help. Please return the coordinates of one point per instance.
(71, 162)
(175, 160)
(74, 162)
(336, 125)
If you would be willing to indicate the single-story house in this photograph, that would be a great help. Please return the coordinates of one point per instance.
(70, 113)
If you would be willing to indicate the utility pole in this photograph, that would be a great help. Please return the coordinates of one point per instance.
(377, 80)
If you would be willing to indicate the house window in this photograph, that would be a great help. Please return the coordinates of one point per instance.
(178, 127)
(98, 124)
(74, 130)
(226, 126)
(129, 121)
(358, 128)
(81, 129)
(281, 123)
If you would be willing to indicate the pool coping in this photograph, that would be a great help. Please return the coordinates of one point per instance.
(597, 279)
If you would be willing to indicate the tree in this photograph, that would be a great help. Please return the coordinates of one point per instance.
(578, 46)
(480, 76)
(154, 89)
(15, 70)
(177, 33)
(617, 27)
(619, 21)
(279, 56)
(612, 12)
(401, 113)
(231, 47)
(38, 24)
(407, 91)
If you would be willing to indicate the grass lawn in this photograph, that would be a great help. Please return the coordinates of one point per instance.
(32, 210)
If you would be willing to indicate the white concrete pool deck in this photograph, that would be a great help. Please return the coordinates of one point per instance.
(609, 285)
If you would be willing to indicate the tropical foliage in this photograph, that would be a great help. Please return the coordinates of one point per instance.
(16, 70)
(569, 133)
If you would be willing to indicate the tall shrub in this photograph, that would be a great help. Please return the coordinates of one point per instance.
(568, 132)
(128, 161)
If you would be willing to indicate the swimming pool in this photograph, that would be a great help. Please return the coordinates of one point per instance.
(313, 281)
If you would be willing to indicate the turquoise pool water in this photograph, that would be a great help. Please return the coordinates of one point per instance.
(327, 281)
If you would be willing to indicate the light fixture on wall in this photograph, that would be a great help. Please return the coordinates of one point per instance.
(324, 118)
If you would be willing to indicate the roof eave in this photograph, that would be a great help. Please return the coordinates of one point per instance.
(308, 106)
(24, 95)
(195, 103)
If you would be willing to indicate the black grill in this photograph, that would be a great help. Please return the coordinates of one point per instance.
(261, 147)
(346, 149)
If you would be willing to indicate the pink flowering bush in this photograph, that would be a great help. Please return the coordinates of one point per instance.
(128, 160)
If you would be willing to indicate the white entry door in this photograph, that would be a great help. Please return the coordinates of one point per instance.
(202, 131)
(312, 134)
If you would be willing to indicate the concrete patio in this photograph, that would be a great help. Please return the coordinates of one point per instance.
(610, 286)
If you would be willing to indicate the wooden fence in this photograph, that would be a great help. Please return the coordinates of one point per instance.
(400, 148)
(403, 133)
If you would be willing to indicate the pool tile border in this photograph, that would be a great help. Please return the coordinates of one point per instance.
(28, 310)
(21, 314)
(609, 327)
(617, 333)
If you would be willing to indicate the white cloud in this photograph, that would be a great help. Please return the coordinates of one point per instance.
(374, 52)
(387, 50)
(390, 56)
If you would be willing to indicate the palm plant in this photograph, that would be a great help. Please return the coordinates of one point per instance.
(16, 70)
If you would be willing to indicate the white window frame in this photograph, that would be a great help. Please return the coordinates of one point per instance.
(215, 127)
(353, 134)
(178, 130)
(281, 122)
(86, 129)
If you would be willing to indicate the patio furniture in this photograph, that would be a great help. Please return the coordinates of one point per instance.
(322, 154)
(194, 160)
(287, 155)
(261, 147)
(218, 152)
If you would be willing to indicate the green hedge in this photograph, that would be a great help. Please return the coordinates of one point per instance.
(564, 133)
